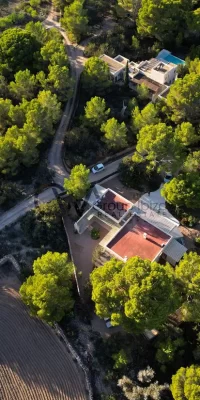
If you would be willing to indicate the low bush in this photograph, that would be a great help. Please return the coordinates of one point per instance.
(16, 18)
(9, 193)
(188, 220)
(95, 234)
(197, 241)
(134, 175)
(43, 227)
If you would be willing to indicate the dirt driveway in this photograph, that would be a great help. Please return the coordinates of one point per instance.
(34, 364)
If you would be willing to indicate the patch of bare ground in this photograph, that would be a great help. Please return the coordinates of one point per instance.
(34, 364)
(7, 7)
(189, 237)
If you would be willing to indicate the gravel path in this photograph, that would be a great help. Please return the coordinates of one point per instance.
(34, 364)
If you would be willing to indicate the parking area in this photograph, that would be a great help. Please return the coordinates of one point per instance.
(115, 184)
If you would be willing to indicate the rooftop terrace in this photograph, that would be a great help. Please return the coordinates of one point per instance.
(114, 205)
(113, 64)
(130, 241)
(155, 87)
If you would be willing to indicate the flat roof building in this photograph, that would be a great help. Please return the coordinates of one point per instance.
(157, 74)
(116, 68)
(114, 205)
(145, 229)
(138, 238)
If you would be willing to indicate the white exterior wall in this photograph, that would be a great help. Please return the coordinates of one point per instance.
(118, 75)
(164, 78)
(171, 261)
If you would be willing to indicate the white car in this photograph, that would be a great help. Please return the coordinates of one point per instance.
(108, 323)
(97, 168)
(168, 177)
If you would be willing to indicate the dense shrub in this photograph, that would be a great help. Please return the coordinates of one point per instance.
(134, 175)
(43, 227)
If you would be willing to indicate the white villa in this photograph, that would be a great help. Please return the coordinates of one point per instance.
(145, 229)
(157, 74)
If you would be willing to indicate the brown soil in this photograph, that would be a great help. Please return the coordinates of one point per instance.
(189, 236)
(34, 364)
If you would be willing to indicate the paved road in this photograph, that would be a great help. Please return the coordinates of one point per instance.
(47, 195)
(77, 60)
(55, 162)
(109, 170)
(24, 206)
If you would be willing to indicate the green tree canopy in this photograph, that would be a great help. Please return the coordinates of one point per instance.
(186, 383)
(3, 87)
(95, 111)
(60, 81)
(184, 190)
(194, 66)
(34, 123)
(96, 76)
(78, 182)
(146, 297)
(37, 30)
(50, 48)
(183, 99)
(17, 147)
(17, 50)
(75, 20)
(9, 192)
(43, 226)
(188, 276)
(48, 293)
(121, 359)
(151, 22)
(4, 114)
(115, 134)
(24, 85)
(147, 116)
(193, 21)
(186, 134)
(192, 162)
(54, 263)
(42, 113)
(131, 5)
(167, 349)
(31, 59)
(159, 146)
(142, 92)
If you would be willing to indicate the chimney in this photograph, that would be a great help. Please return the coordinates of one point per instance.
(125, 258)
(144, 235)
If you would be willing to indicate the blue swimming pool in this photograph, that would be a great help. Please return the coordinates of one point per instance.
(173, 59)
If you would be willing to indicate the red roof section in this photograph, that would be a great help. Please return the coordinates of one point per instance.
(114, 204)
(130, 242)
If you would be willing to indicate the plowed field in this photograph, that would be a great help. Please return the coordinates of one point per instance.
(34, 364)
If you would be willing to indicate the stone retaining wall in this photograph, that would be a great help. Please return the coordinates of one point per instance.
(13, 262)
(76, 357)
